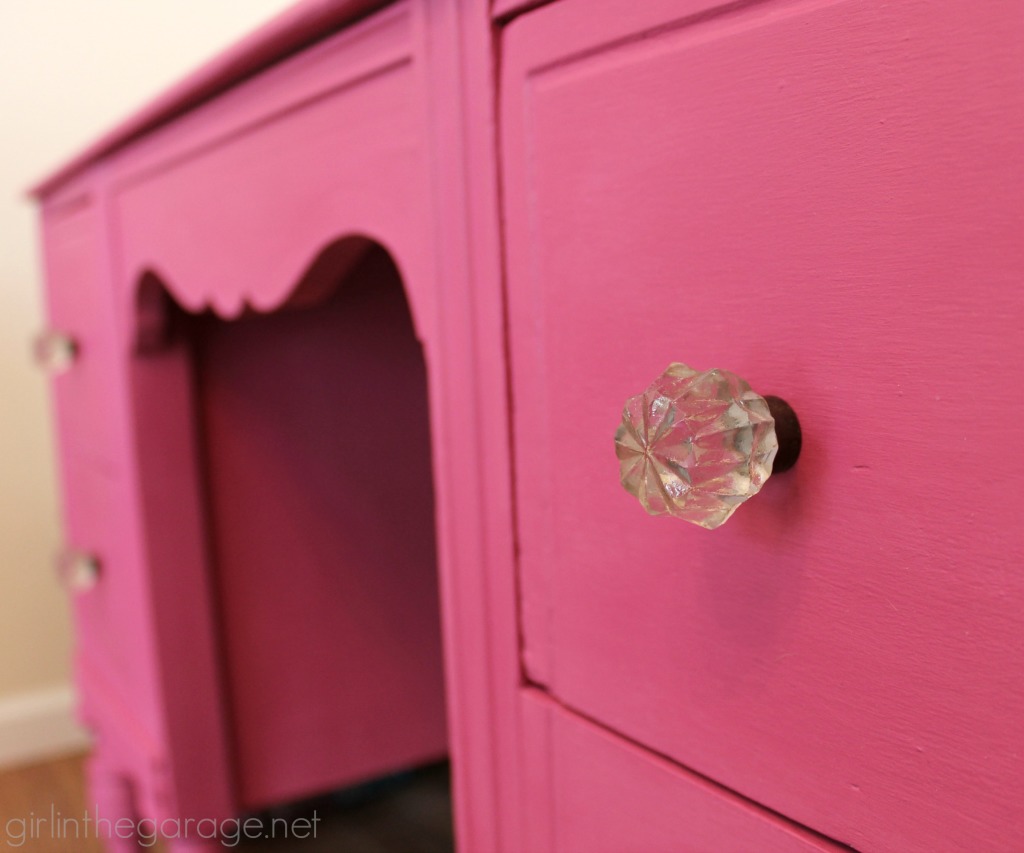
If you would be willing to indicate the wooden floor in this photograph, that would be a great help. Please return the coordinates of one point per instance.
(407, 813)
(30, 792)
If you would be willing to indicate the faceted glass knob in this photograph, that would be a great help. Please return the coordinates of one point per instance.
(78, 570)
(695, 445)
(54, 351)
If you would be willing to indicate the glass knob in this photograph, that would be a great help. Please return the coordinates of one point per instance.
(697, 444)
(78, 570)
(54, 351)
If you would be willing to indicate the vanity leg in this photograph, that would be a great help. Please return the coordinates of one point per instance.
(110, 801)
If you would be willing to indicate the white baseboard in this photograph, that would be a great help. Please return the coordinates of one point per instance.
(39, 725)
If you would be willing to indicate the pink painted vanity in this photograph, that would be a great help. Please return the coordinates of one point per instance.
(342, 328)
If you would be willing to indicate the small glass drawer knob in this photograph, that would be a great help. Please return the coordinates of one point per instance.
(54, 351)
(78, 570)
(697, 444)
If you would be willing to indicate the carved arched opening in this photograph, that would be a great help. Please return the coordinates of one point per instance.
(287, 498)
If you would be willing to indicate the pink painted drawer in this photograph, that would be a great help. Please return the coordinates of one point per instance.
(598, 793)
(824, 198)
(114, 606)
(80, 308)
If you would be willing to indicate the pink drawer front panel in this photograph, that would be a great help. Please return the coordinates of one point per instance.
(593, 792)
(823, 197)
(115, 608)
(79, 306)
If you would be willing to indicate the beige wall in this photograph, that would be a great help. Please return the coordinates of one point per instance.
(68, 70)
